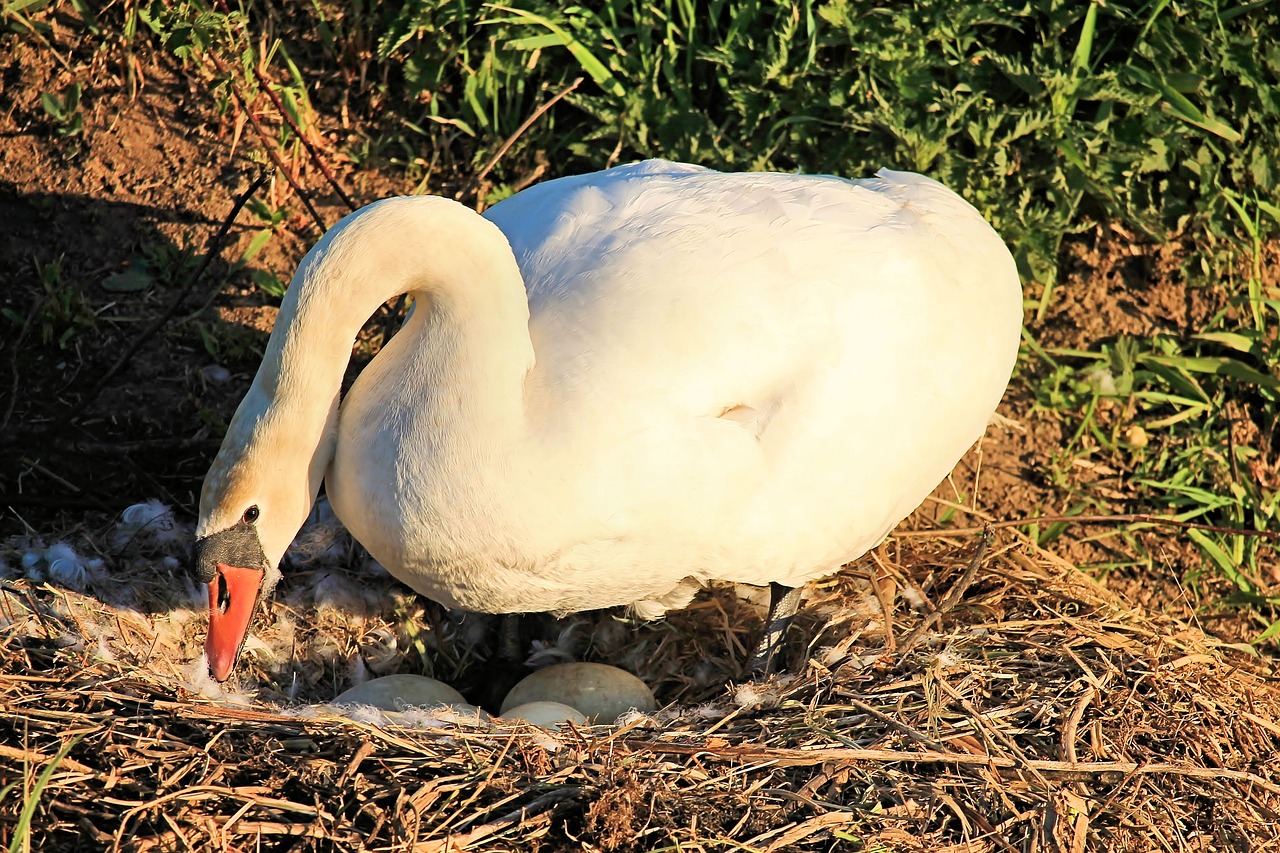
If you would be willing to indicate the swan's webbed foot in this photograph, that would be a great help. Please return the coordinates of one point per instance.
(784, 601)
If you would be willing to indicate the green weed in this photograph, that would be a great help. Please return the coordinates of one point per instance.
(227, 343)
(1191, 423)
(65, 111)
(21, 838)
(1050, 117)
(60, 314)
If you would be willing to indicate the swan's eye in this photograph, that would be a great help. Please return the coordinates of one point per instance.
(251, 515)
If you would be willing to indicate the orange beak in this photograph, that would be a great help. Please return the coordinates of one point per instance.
(233, 592)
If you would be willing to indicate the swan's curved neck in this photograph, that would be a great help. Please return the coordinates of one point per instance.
(468, 337)
(471, 311)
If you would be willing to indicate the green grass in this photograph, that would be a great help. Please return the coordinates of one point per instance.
(59, 314)
(1049, 116)
(21, 838)
(1192, 421)
(1053, 118)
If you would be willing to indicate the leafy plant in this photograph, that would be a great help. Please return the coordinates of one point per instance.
(269, 283)
(61, 313)
(1192, 424)
(230, 344)
(1051, 117)
(65, 110)
(271, 219)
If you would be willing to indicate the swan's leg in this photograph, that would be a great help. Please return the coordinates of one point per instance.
(488, 685)
(509, 646)
(784, 601)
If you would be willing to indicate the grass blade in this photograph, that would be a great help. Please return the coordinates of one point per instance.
(1084, 48)
(1216, 366)
(1221, 559)
(597, 70)
(21, 831)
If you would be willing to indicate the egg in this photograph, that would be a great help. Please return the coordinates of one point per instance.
(546, 715)
(397, 692)
(602, 693)
(440, 716)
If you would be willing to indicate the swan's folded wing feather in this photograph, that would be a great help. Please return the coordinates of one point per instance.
(701, 291)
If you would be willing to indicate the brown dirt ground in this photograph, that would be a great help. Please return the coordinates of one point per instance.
(156, 172)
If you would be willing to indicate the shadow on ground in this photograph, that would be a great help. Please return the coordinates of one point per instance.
(86, 279)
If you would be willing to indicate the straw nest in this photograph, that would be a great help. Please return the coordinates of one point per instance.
(942, 703)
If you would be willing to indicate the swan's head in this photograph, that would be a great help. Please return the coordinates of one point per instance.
(254, 499)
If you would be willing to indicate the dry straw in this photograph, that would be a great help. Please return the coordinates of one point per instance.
(1026, 710)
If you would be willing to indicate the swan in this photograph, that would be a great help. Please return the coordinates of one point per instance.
(616, 387)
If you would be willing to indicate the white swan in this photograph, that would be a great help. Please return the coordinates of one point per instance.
(617, 386)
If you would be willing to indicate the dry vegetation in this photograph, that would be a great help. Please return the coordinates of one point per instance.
(1026, 710)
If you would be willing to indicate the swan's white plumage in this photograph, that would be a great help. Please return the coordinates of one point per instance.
(743, 377)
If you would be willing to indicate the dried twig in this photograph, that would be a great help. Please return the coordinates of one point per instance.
(212, 250)
(316, 159)
(270, 148)
(979, 747)
(479, 176)
(950, 600)
(1119, 518)
(15, 347)
(541, 807)
(1069, 771)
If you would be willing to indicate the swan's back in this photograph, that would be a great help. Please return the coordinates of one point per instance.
(774, 368)
(700, 284)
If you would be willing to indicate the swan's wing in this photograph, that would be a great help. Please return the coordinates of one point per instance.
(699, 291)
(755, 376)
(529, 217)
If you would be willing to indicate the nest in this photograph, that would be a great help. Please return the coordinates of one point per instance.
(938, 703)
